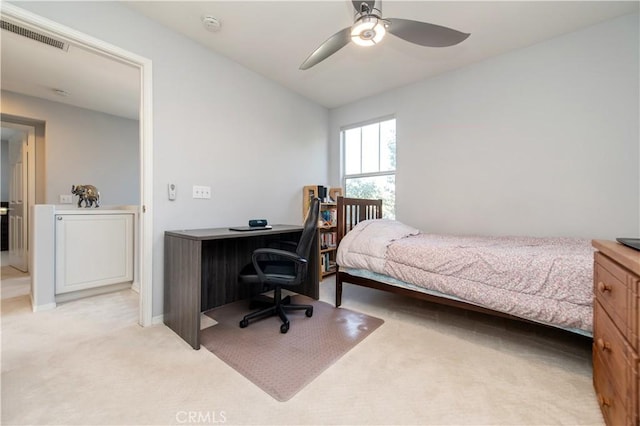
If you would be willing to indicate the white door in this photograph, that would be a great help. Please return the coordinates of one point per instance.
(21, 160)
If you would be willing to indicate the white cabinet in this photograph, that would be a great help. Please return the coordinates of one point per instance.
(92, 250)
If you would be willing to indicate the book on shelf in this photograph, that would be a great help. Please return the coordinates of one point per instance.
(327, 265)
(326, 194)
(328, 240)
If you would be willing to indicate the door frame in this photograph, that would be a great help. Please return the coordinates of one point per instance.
(145, 230)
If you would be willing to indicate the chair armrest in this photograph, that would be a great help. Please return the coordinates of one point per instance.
(270, 254)
(282, 254)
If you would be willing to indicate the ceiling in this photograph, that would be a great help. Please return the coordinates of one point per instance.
(86, 79)
(273, 38)
(35, 69)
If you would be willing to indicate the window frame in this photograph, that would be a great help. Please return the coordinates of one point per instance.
(343, 150)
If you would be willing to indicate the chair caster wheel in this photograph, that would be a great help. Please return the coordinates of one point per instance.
(309, 313)
(284, 328)
(244, 323)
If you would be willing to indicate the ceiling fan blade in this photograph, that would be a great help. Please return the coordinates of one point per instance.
(425, 34)
(328, 48)
(357, 4)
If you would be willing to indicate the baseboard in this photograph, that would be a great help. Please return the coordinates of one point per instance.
(40, 308)
(158, 319)
(74, 295)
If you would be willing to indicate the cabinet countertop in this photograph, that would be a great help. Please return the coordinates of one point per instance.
(625, 256)
(95, 211)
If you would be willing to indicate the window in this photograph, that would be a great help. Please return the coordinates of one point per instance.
(370, 163)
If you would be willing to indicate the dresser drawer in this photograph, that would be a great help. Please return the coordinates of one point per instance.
(616, 355)
(610, 289)
(609, 400)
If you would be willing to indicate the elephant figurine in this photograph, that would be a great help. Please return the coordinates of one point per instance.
(87, 193)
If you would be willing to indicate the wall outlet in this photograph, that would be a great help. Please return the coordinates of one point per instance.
(201, 191)
(206, 192)
(66, 199)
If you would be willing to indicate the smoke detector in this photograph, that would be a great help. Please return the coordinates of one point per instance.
(210, 23)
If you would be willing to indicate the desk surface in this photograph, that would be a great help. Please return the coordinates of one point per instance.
(222, 233)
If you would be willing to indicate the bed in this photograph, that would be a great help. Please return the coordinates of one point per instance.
(541, 280)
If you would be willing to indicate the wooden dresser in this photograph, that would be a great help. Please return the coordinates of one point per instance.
(616, 332)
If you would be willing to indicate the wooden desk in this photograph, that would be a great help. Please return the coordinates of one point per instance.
(201, 269)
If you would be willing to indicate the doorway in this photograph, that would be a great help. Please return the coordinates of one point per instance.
(18, 190)
(144, 230)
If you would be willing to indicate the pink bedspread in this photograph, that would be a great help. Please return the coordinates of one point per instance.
(549, 280)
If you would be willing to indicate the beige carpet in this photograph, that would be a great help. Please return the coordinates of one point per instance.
(282, 364)
(88, 363)
(8, 272)
(15, 283)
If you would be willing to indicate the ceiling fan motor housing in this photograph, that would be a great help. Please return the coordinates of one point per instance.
(367, 7)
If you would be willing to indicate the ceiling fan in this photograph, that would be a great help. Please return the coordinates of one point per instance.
(370, 27)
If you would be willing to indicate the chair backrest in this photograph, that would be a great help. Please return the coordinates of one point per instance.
(309, 229)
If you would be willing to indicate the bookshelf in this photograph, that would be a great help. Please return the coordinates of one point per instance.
(327, 225)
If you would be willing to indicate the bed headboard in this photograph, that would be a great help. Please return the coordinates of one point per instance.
(352, 211)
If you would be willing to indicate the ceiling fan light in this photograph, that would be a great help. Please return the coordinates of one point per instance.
(368, 31)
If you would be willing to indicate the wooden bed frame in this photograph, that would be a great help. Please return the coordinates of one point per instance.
(351, 211)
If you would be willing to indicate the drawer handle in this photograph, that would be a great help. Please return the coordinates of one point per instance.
(603, 287)
(604, 402)
(604, 346)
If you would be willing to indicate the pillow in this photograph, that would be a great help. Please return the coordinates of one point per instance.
(366, 244)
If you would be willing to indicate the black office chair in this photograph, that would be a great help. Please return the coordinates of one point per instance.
(274, 268)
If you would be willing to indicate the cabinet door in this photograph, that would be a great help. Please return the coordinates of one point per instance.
(93, 250)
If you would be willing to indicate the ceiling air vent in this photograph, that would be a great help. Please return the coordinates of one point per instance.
(41, 38)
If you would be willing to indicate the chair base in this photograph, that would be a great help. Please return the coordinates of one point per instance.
(276, 306)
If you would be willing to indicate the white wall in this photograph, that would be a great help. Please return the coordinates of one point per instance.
(83, 147)
(540, 141)
(215, 123)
